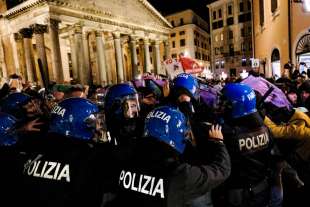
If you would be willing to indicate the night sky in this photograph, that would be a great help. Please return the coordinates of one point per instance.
(166, 7)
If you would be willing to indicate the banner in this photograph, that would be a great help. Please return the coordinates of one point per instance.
(190, 65)
(173, 67)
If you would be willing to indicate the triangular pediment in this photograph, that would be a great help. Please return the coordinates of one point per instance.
(139, 12)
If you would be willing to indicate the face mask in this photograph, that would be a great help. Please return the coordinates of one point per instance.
(186, 108)
(146, 108)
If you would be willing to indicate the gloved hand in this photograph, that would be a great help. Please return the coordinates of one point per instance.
(216, 133)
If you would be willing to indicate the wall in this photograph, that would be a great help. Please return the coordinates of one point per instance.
(273, 34)
(300, 26)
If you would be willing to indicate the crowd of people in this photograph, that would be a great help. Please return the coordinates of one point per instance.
(154, 141)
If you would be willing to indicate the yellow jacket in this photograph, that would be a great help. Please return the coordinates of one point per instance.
(298, 127)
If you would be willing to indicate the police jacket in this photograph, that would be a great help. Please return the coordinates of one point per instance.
(154, 175)
(11, 162)
(249, 144)
(66, 172)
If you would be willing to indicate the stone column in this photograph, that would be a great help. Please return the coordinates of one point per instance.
(55, 49)
(123, 42)
(74, 58)
(80, 53)
(27, 35)
(88, 75)
(19, 53)
(147, 61)
(101, 58)
(2, 61)
(167, 49)
(39, 31)
(119, 58)
(157, 57)
(134, 57)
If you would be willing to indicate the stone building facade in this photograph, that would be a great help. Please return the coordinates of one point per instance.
(281, 35)
(231, 36)
(190, 36)
(91, 41)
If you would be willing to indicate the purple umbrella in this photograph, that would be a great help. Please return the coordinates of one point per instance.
(261, 85)
(208, 95)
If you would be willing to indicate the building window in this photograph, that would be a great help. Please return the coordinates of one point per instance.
(182, 42)
(217, 64)
(241, 7)
(172, 23)
(222, 37)
(222, 64)
(249, 5)
(222, 49)
(172, 35)
(220, 24)
(231, 50)
(243, 62)
(231, 35)
(243, 47)
(182, 32)
(174, 55)
(214, 25)
(181, 21)
(173, 44)
(250, 30)
(216, 38)
(229, 9)
(220, 13)
(137, 50)
(242, 32)
(150, 48)
(214, 15)
(250, 46)
(230, 21)
(261, 12)
(274, 5)
(195, 42)
(196, 55)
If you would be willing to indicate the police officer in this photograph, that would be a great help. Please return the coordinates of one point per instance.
(32, 121)
(68, 168)
(249, 144)
(185, 95)
(122, 114)
(156, 175)
(10, 160)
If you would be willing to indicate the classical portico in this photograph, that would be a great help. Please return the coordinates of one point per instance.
(99, 41)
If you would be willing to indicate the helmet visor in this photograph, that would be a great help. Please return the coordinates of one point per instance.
(131, 106)
(96, 122)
